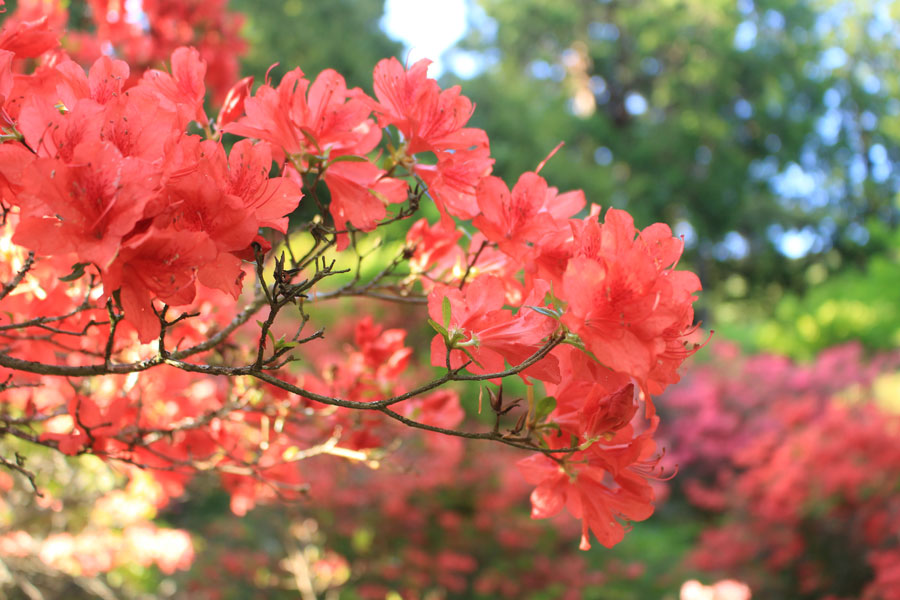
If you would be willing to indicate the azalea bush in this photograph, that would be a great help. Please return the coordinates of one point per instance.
(173, 238)
(796, 467)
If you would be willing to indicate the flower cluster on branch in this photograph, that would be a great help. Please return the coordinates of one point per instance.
(158, 280)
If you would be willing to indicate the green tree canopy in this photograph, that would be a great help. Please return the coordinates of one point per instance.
(769, 129)
(339, 34)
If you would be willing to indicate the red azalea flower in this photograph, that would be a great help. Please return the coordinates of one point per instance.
(86, 207)
(160, 264)
(490, 334)
(183, 91)
(433, 120)
(233, 106)
(298, 118)
(429, 118)
(631, 308)
(518, 220)
(359, 195)
(430, 243)
(93, 426)
(28, 39)
(602, 414)
(245, 175)
(383, 349)
(599, 487)
(453, 181)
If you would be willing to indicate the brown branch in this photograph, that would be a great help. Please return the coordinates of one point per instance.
(40, 321)
(19, 467)
(471, 265)
(20, 275)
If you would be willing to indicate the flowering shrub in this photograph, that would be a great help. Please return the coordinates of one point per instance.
(801, 463)
(144, 34)
(161, 285)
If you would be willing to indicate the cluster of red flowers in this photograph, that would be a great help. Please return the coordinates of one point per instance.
(802, 463)
(142, 226)
(143, 33)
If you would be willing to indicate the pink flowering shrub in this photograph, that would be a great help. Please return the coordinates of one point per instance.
(799, 465)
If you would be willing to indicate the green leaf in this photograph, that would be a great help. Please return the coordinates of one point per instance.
(439, 328)
(310, 138)
(348, 158)
(445, 309)
(548, 426)
(469, 354)
(588, 443)
(77, 271)
(283, 343)
(545, 406)
(544, 311)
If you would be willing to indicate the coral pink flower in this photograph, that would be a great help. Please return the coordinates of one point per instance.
(583, 488)
(631, 308)
(491, 334)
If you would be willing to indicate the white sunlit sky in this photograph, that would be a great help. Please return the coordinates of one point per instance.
(428, 28)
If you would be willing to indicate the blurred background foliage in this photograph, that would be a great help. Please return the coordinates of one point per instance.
(765, 132)
(343, 35)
